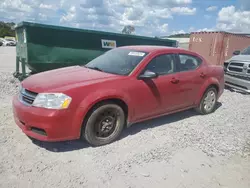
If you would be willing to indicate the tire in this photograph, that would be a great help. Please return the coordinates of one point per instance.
(205, 107)
(100, 120)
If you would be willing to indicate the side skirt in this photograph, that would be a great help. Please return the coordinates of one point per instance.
(129, 124)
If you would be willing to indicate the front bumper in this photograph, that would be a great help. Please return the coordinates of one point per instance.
(237, 83)
(44, 124)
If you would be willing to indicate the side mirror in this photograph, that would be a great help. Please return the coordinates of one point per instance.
(148, 75)
(237, 52)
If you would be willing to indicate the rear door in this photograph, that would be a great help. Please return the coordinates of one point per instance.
(191, 75)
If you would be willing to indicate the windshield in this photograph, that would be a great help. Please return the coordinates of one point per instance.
(246, 51)
(117, 61)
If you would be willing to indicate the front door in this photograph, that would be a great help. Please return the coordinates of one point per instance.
(159, 95)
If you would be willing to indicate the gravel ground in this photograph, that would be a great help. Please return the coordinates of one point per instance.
(184, 150)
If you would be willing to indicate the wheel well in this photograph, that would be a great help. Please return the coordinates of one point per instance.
(119, 102)
(212, 85)
(215, 86)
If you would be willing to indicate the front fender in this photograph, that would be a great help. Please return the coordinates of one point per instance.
(207, 83)
(90, 100)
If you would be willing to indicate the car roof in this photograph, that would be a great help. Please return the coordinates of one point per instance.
(153, 48)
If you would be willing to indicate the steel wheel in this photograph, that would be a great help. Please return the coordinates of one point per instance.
(104, 124)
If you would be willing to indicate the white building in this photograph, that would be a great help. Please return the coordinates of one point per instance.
(183, 42)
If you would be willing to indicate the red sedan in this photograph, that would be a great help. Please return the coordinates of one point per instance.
(125, 85)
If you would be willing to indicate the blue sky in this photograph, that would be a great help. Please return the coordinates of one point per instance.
(149, 17)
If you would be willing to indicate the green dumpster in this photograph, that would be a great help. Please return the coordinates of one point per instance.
(43, 47)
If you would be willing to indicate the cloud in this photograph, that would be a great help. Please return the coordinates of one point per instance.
(207, 16)
(155, 3)
(178, 32)
(230, 19)
(245, 5)
(191, 29)
(183, 10)
(71, 14)
(211, 8)
(163, 29)
(233, 20)
(42, 16)
(45, 6)
(149, 17)
(170, 3)
(133, 14)
(91, 3)
(205, 29)
(107, 15)
(29, 10)
(15, 6)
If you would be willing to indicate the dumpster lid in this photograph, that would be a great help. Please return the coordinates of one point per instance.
(33, 24)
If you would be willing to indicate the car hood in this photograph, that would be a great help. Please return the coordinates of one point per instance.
(240, 58)
(59, 78)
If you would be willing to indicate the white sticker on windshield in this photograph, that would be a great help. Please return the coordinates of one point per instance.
(136, 53)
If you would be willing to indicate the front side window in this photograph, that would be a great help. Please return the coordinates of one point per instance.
(246, 51)
(188, 62)
(162, 64)
(119, 61)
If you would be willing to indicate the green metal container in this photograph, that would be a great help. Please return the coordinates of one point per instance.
(44, 47)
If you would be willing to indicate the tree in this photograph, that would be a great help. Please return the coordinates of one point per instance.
(128, 29)
(184, 35)
(6, 29)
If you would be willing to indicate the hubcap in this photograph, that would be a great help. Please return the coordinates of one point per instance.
(105, 123)
(209, 100)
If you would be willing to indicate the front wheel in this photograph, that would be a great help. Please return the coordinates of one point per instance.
(104, 124)
(208, 101)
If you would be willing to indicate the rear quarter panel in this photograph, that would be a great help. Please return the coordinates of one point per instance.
(215, 76)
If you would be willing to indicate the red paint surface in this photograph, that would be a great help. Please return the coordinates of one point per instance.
(145, 99)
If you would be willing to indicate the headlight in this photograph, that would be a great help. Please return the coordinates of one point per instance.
(52, 100)
(20, 87)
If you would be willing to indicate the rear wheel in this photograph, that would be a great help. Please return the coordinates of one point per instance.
(208, 101)
(104, 124)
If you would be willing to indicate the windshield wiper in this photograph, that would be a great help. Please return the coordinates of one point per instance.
(94, 68)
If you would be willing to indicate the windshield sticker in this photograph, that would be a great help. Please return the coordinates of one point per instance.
(136, 54)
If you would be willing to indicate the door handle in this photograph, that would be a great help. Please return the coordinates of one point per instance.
(202, 75)
(174, 80)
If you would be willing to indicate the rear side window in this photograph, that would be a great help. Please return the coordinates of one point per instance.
(188, 62)
(162, 64)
